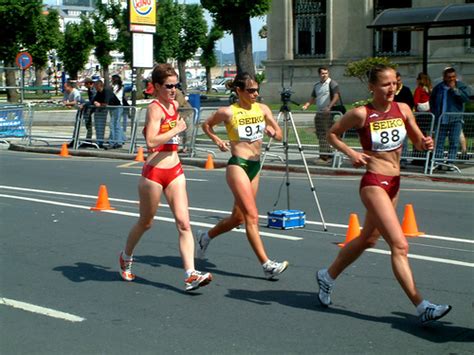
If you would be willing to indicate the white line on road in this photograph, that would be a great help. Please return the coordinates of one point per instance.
(40, 310)
(131, 214)
(335, 225)
(422, 257)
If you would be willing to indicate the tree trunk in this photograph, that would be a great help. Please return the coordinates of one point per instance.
(106, 74)
(242, 37)
(208, 80)
(12, 94)
(182, 74)
(39, 78)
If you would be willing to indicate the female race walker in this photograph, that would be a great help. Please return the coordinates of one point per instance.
(382, 126)
(162, 173)
(246, 122)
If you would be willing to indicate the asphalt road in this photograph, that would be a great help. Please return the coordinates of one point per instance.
(58, 255)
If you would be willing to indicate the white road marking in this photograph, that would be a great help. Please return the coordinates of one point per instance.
(336, 225)
(132, 214)
(422, 257)
(41, 310)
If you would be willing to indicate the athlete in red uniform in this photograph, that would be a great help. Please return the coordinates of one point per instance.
(382, 127)
(162, 173)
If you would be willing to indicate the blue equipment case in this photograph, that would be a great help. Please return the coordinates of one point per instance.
(286, 219)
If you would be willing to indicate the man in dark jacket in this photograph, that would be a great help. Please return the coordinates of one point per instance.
(102, 99)
(449, 97)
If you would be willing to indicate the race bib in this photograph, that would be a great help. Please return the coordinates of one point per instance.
(387, 135)
(251, 132)
(165, 127)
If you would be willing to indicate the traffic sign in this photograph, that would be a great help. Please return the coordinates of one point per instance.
(24, 60)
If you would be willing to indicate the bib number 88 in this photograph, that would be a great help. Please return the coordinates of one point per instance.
(385, 136)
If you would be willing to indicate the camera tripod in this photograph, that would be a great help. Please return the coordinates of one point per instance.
(287, 117)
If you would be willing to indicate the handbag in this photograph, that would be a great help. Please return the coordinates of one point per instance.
(423, 106)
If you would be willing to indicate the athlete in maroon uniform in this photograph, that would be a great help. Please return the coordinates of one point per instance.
(162, 173)
(382, 127)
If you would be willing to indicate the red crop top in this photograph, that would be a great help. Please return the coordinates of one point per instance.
(167, 123)
(383, 131)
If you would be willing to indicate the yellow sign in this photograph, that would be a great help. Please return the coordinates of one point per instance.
(143, 12)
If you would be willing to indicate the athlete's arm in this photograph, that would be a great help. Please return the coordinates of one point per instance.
(272, 128)
(154, 116)
(221, 115)
(354, 118)
(414, 133)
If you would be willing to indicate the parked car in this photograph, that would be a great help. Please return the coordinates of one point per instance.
(218, 86)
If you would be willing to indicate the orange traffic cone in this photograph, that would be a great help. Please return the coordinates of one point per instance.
(64, 151)
(140, 155)
(209, 162)
(353, 230)
(103, 200)
(409, 226)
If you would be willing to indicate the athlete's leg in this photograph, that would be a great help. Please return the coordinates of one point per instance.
(244, 192)
(386, 221)
(226, 224)
(149, 193)
(352, 250)
(177, 198)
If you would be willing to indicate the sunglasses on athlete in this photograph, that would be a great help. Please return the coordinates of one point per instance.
(252, 90)
(170, 86)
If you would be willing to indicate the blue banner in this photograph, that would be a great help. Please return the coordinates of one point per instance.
(11, 123)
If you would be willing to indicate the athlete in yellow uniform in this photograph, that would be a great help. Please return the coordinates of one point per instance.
(246, 123)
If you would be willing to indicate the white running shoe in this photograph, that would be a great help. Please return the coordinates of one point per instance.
(126, 268)
(202, 244)
(325, 288)
(197, 279)
(434, 312)
(273, 268)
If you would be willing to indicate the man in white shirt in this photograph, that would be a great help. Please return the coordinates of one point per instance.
(326, 95)
(72, 96)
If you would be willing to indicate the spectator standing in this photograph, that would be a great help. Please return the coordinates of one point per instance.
(326, 95)
(72, 96)
(403, 94)
(186, 114)
(117, 136)
(449, 96)
(102, 99)
(422, 93)
(88, 108)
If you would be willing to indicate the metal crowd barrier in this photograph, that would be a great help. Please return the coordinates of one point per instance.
(305, 126)
(15, 122)
(109, 127)
(187, 137)
(453, 142)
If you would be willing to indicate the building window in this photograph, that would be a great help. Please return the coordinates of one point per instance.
(392, 43)
(310, 28)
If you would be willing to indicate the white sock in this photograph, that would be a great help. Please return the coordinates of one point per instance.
(327, 277)
(189, 272)
(422, 306)
(126, 257)
(265, 263)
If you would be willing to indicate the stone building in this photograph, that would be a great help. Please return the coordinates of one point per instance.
(306, 34)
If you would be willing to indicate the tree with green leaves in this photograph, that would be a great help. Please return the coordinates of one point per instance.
(234, 16)
(191, 37)
(47, 38)
(168, 27)
(360, 68)
(103, 44)
(208, 57)
(76, 45)
(17, 26)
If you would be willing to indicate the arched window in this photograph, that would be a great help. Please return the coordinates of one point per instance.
(310, 28)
